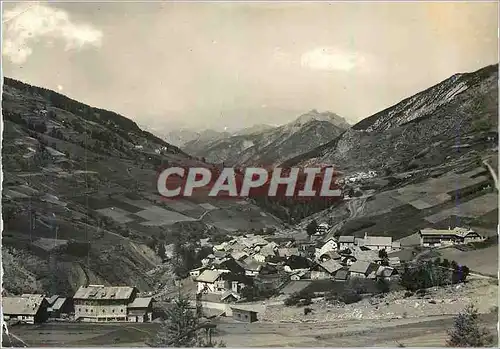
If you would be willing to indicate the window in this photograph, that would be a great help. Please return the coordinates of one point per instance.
(86, 310)
(91, 310)
(113, 311)
(79, 309)
(103, 310)
(121, 310)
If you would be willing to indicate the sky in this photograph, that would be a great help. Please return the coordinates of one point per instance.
(168, 65)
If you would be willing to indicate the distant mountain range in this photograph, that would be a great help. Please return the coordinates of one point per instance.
(267, 145)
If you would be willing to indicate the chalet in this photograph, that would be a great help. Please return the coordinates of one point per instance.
(28, 308)
(97, 303)
(210, 281)
(346, 242)
(140, 310)
(437, 237)
(252, 268)
(362, 269)
(377, 243)
(239, 255)
(244, 315)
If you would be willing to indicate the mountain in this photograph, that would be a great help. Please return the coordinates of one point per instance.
(419, 131)
(271, 145)
(259, 128)
(80, 203)
(182, 136)
(424, 162)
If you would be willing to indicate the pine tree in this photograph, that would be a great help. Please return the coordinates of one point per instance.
(183, 328)
(466, 331)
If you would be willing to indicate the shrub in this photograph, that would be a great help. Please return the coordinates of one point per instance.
(466, 331)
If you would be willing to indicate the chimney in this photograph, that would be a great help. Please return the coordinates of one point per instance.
(234, 286)
(366, 234)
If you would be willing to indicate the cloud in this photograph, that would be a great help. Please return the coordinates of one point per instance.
(29, 23)
(324, 58)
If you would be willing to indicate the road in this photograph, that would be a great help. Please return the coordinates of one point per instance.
(492, 172)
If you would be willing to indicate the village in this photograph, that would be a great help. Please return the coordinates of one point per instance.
(245, 272)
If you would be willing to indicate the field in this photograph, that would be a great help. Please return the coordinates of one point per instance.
(429, 331)
(483, 261)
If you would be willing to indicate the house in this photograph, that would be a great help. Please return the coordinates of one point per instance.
(322, 228)
(230, 296)
(252, 268)
(394, 261)
(210, 281)
(362, 269)
(140, 310)
(377, 243)
(325, 270)
(28, 308)
(96, 303)
(244, 315)
(346, 242)
(229, 265)
(329, 245)
(396, 245)
(437, 237)
(58, 305)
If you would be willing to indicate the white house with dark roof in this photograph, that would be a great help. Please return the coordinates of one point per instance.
(140, 310)
(346, 242)
(377, 243)
(362, 269)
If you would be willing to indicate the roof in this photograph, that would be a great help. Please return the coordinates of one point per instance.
(331, 254)
(396, 244)
(51, 300)
(362, 267)
(246, 310)
(102, 292)
(24, 305)
(58, 303)
(331, 266)
(461, 232)
(141, 302)
(378, 241)
(237, 255)
(209, 276)
(230, 293)
(136, 312)
(367, 256)
(346, 239)
(295, 286)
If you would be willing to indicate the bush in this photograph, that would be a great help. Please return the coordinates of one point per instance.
(466, 331)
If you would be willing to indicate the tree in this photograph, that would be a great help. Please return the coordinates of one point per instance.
(161, 250)
(383, 286)
(312, 227)
(466, 331)
(183, 328)
(382, 254)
